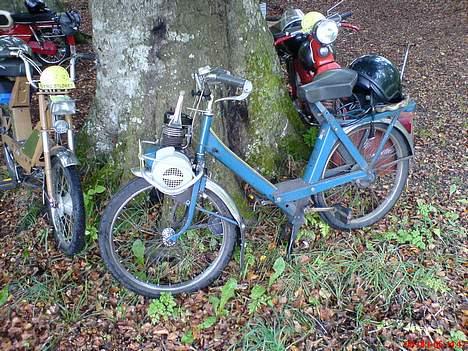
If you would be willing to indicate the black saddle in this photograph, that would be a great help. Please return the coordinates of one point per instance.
(12, 67)
(30, 18)
(332, 84)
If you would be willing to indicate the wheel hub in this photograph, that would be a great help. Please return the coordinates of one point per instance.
(366, 182)
(166, 235)
(64, 205)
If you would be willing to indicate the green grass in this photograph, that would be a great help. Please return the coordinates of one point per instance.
(33, 212)
(261, 335)
(378, 268)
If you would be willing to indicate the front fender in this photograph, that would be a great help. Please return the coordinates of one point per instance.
(231, 205)
(66, 157)
(224, 196)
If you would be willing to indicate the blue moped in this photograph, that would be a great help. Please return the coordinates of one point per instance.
(172, 229)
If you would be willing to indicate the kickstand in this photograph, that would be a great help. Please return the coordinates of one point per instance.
(292, 239)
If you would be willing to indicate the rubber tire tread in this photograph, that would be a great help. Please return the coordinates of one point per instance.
(105, 248)
(79, 217)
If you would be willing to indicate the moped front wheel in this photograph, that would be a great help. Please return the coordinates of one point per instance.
(367, 202)
(133, 240)
(68, 216)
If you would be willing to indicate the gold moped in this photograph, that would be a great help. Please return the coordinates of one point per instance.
(43, 154)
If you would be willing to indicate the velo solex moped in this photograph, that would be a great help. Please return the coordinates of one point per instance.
(42, 156)
(172, 229)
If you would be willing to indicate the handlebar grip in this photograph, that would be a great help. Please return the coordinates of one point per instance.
(6, 54)
(346, 15)
(231, 80)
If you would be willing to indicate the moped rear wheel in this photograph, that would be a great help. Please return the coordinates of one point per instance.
(368, 202)
(63, 49)
(68, 217)
(133, 240)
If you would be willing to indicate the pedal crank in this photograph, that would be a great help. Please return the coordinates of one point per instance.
(318, 209)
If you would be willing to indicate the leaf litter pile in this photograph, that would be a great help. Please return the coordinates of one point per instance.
(396, 286)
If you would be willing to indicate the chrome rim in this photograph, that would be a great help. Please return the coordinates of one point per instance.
(138, 244)
(62, 213)
(366, 199)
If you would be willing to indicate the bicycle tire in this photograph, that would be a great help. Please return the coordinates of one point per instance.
(402, 167)
(112, 260)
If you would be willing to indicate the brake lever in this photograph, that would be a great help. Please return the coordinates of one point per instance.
(247, 89)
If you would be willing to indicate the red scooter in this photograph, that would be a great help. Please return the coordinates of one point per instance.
(305, 44)
(50, 35)
(307, 52)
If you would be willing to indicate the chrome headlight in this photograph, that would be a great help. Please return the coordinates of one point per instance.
(62, 105)
(61, 126)
(326, 31)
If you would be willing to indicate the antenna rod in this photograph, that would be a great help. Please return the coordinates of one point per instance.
(404, 61)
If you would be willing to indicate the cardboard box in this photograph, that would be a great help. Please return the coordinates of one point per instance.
(20, 96)
(21, 120)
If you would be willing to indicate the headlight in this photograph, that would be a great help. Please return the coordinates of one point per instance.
(326, 31)
(324, 51)
(60, 126)
(62, 105)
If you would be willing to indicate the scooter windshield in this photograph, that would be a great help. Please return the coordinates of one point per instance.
(291, 18)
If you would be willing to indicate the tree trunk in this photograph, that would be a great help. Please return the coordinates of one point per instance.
(147, 51)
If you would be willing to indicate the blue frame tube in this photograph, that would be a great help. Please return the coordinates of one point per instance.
(222, 153)
(330, 132)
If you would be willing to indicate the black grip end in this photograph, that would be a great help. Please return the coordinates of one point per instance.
(228, 79)
(346, 15)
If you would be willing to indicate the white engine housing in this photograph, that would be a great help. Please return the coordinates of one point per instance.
(171, 172)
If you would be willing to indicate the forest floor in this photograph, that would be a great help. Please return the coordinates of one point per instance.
(398, 285)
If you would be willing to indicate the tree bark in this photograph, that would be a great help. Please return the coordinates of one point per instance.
(147, 51)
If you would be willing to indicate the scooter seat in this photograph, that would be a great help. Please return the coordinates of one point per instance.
(12, 67)
(29, 18)
(332, 84)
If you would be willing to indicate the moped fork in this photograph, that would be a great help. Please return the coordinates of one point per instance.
(46, 150)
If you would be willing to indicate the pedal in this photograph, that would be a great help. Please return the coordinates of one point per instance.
(8, 184)
(343, 214)
(318, 209)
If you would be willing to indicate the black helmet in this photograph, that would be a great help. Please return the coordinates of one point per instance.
(35, 6)
(379, 76)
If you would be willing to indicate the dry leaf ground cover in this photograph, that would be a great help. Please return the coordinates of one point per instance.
(396, 286)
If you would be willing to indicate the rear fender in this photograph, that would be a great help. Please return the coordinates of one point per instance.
(398, 126)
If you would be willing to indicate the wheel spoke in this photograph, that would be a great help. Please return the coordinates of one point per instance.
(369, 199)
(141, 251)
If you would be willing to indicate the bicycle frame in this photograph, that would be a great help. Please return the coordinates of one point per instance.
(293, 195)
(329, 133)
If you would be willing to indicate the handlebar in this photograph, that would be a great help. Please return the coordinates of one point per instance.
(346, 15)
(220, 75)
(338, 17)
(28, 62)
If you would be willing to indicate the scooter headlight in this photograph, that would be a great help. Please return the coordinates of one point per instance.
(60, 126)
(326, 31)
(62, 105)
